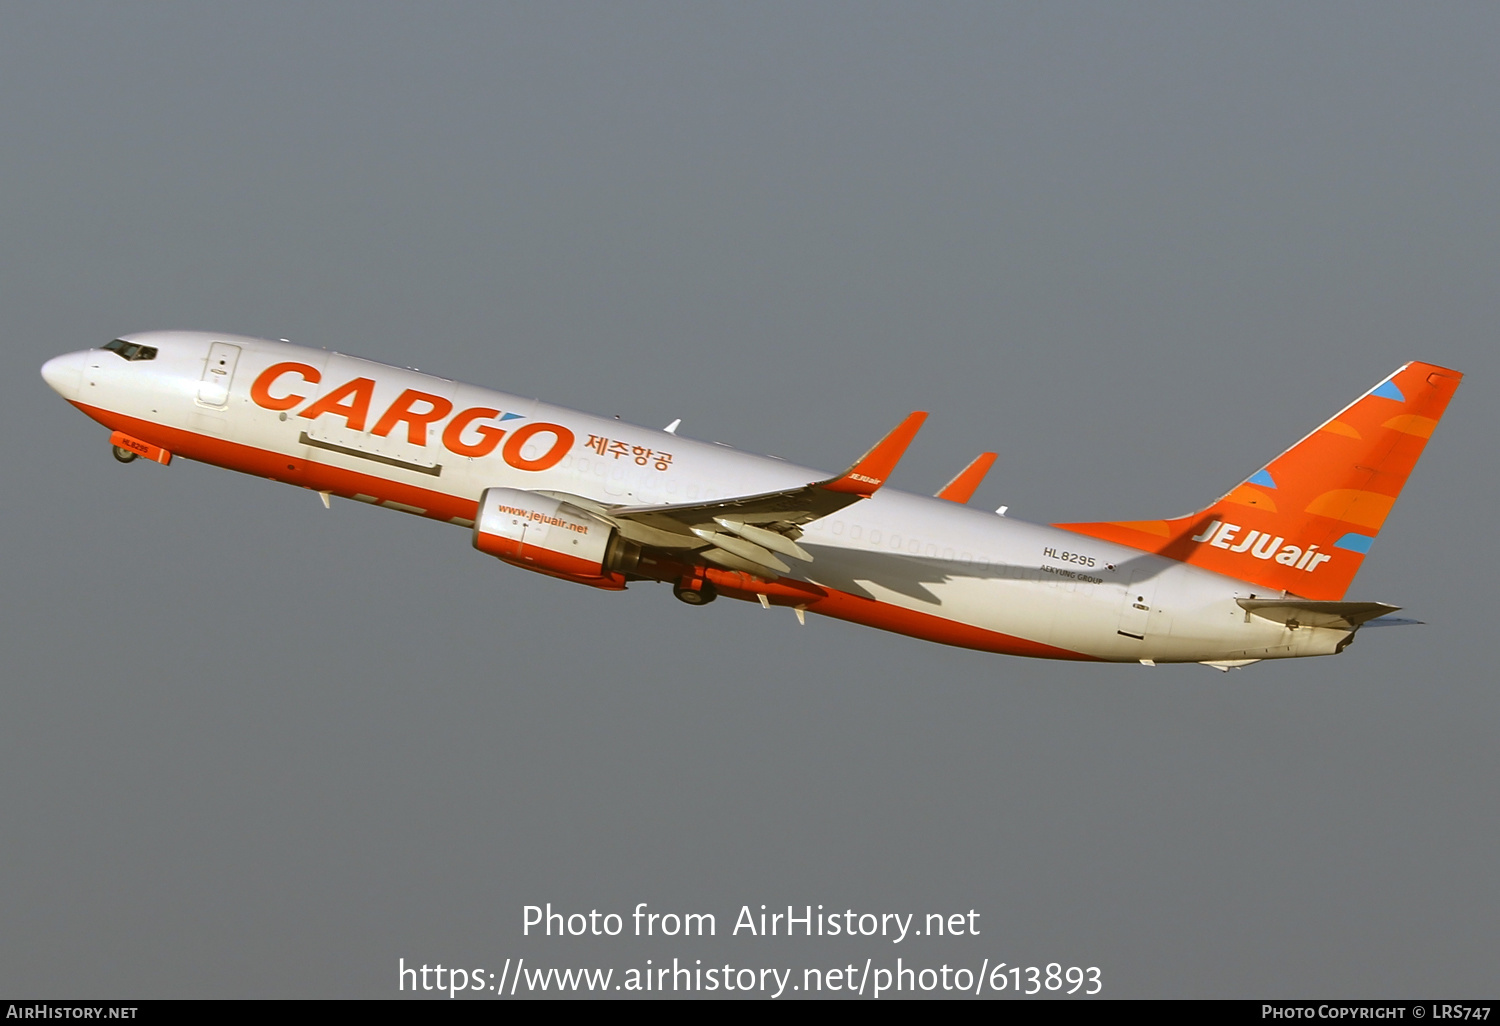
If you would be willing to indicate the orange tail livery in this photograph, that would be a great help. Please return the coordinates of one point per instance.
(1303, 523)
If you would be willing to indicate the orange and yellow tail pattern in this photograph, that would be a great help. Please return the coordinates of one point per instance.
(1303, 523)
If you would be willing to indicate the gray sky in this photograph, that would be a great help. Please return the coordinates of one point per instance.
(252, 748)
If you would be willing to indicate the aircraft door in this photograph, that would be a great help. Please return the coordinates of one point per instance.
(218, 375)
(1135, 613)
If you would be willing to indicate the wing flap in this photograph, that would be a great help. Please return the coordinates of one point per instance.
(744, 549)
(767, 539)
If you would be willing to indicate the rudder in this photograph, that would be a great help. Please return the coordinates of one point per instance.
(1304, 523)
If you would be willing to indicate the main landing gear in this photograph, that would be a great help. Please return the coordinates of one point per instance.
(124, 455)
(695, 591)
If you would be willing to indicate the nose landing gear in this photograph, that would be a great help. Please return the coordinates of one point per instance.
(695, 591)
(127, 449)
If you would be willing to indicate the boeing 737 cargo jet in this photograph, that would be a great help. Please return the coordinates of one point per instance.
(1259, 574)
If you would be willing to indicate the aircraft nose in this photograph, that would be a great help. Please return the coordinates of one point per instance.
(65, 374)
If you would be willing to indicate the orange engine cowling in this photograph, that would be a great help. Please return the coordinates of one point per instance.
(552, 537)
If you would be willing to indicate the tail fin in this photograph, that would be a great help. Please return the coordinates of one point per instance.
(1304, 522)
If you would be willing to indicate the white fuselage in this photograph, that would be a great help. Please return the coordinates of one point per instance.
(896, 560)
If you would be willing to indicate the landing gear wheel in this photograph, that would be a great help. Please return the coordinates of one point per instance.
(124, 455)
(694, 592)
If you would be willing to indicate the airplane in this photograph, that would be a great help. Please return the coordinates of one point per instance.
(1259, 574)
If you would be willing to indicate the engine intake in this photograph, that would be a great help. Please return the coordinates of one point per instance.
(552, 537)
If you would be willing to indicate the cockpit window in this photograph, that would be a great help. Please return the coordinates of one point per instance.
(131, 350)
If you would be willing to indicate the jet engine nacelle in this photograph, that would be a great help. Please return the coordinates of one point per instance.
(552, 537)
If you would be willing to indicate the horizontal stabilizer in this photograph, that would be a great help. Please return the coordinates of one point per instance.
(1344, 616)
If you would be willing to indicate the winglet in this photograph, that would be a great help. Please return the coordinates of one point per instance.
(867, 475)
(961, 488)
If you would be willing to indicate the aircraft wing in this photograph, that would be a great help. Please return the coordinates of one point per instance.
(752, 532)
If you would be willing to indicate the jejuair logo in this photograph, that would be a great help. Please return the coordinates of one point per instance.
(1262, 546)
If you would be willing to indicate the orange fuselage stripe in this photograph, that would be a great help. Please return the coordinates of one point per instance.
(440, 506)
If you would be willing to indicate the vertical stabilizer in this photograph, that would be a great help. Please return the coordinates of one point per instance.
(1304, 523)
